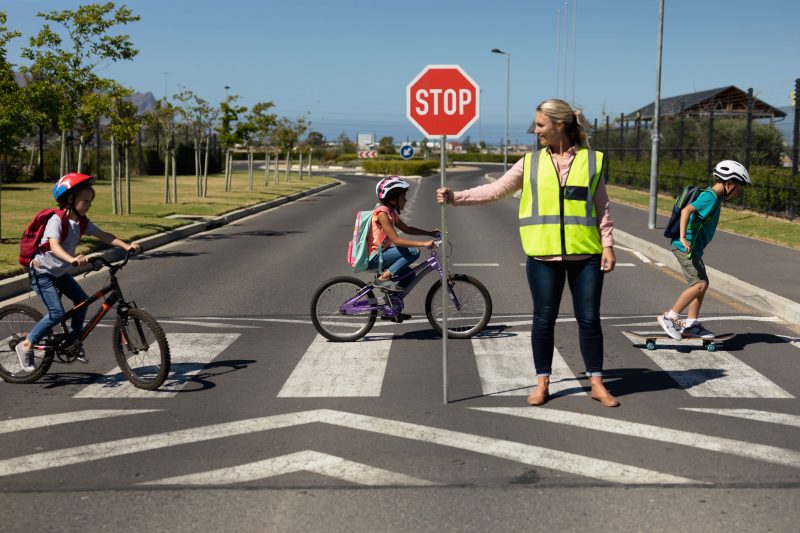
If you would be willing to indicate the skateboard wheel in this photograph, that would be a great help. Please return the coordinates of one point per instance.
(711, 347)
(650, 345)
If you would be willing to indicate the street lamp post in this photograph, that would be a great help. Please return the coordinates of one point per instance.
(508, 77)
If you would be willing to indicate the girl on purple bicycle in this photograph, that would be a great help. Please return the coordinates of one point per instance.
(387, 249)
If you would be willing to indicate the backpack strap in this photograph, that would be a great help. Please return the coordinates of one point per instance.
(384, 209)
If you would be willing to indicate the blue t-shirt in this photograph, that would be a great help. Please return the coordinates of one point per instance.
(702, 224)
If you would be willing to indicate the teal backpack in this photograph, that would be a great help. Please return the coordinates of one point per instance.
(358, 256)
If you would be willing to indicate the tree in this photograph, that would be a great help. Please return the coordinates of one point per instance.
(14, 114)
(287, 135)
(261, 124)
(315, 140)
(163, 117)
(124, 126)
(200, 118)
(231, 131)
(346, 143)
(72, 65)
(386, 145)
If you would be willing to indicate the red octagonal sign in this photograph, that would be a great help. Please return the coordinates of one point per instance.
(442, 100)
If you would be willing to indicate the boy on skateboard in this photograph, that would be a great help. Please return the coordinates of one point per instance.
(697, 226)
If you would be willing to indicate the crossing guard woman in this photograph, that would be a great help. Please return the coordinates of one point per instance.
(566, 232)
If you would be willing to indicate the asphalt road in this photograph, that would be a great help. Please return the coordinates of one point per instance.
(264, 426)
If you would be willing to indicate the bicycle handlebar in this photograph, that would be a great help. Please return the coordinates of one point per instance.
(99, 262)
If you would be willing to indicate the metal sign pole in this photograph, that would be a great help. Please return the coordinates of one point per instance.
(443, 260)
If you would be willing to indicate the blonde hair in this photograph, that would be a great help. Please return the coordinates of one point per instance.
(573, 119)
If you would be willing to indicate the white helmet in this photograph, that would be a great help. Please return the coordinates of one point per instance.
(391, 183)
(732, 170)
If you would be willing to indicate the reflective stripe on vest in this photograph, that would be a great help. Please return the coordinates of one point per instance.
(556, 220)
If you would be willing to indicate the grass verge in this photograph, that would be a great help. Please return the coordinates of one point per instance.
(149, 211)
(739, 221)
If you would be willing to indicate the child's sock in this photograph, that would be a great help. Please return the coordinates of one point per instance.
(672, 315)
(689, 322)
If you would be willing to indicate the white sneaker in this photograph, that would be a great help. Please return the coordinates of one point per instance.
(25, 358)
(697, 331)
(82, 358)
(670, 327)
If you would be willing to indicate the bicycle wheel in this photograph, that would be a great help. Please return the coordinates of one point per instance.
(475, 307)
(141, 349)
(16, 321)
(327, 315)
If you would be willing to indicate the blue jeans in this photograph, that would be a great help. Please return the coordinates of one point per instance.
(546, 280)
(396, 260)
(48, 287)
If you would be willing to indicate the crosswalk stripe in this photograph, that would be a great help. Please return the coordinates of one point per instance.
(35, 422)
(750, 450)
(344, 369)
(307, 461)
(189, 354)
(505, 367)
(752, 414)
(717, 374)
(523, 453)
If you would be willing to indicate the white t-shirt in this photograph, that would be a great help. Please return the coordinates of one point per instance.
(47, 262)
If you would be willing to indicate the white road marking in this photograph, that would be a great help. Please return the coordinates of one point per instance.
(35, 422)
(305, 461)
(752, 414)
(505, 367)
(220, 325)
(514, 451)
(476, 264)
(340, 369)
(750, 450)
(190, 353)
(707, 374)
(637, 253)
(625, 264)
(705, 319)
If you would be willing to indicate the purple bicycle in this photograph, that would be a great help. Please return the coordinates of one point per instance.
(345, 308)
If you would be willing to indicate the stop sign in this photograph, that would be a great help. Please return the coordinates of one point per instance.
(442, 100)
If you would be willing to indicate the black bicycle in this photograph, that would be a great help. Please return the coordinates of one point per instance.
(140, 344)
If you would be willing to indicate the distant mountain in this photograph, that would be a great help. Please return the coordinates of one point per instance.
(144, 102)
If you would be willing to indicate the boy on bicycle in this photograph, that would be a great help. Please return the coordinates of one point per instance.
(398, 253)
(48, 272)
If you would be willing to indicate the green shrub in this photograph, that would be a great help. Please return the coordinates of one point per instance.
(484, 158)
(399, 167)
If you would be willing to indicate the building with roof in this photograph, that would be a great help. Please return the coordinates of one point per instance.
(725, 101)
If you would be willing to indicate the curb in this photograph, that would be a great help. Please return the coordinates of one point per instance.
(20, 284)
(730, 286)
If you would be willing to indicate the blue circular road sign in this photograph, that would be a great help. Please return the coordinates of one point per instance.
(407, 151)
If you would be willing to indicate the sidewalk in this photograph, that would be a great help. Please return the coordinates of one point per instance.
(759, 274)
(756, 273)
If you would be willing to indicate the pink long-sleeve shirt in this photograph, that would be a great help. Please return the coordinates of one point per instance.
(511, 182)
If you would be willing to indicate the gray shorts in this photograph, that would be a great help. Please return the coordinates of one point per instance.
(693, 267)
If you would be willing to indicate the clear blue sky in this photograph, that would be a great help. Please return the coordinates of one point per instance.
(344, 65)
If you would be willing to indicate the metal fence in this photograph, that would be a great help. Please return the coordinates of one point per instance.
(690, 146)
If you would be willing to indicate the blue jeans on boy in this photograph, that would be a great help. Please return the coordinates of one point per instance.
(546, 280)
(48, 287)
(396, 260)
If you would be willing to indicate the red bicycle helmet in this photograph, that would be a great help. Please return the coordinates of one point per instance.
(70, 182)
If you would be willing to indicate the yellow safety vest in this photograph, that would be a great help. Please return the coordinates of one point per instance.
(556, 220)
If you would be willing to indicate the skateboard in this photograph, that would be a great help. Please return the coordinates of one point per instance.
(650, 339)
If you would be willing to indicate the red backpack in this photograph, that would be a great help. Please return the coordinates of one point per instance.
(29, 244)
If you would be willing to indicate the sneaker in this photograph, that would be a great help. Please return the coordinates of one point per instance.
(82, 356)
(697, 331)
(387, 285)
(25, 358)
(670, 327)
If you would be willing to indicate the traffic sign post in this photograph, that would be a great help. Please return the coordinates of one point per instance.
(443, 101)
